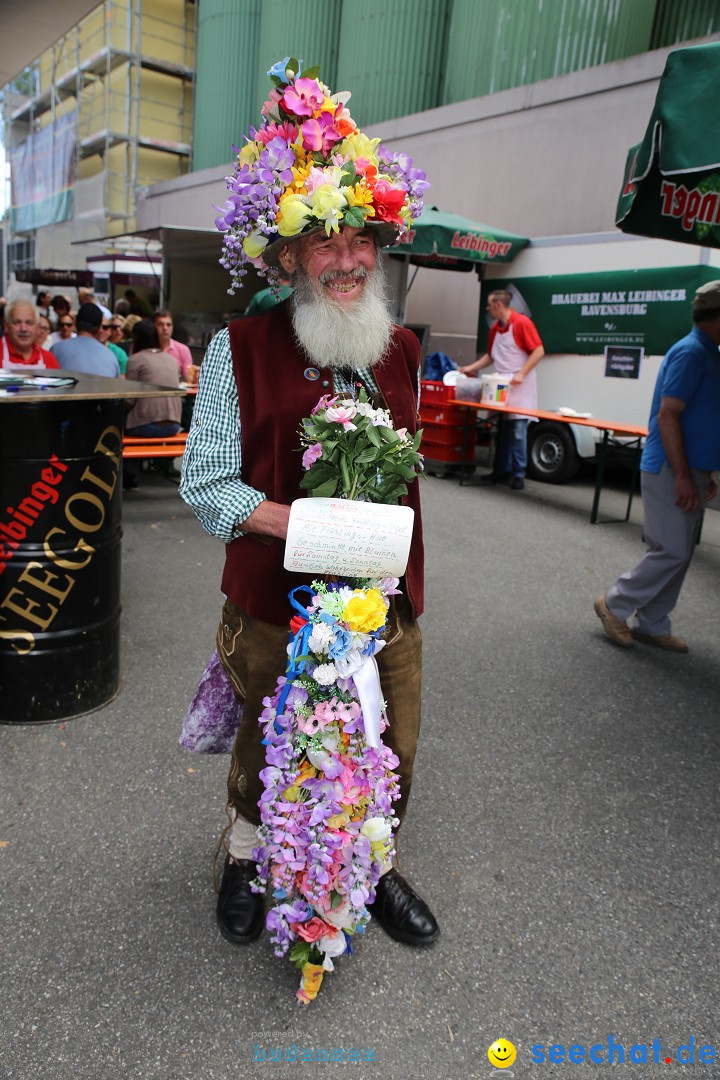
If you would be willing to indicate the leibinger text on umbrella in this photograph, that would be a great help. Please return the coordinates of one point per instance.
(613, 1052)
(690, 205)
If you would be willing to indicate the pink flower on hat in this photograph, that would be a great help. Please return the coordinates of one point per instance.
(286, 131)
(303, 98)
(320, 134)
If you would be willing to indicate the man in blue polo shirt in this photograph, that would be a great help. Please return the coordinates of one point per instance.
(680, 456)
(85, 353)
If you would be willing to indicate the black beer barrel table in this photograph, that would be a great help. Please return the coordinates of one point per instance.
(60, 533)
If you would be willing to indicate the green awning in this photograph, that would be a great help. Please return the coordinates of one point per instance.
(671, 187)
(448, 241)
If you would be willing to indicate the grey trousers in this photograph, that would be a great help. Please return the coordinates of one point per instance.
(650, 590)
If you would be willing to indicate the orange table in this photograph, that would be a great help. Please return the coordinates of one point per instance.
(612, 431)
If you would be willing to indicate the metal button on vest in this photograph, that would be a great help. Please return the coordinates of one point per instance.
(326, 382)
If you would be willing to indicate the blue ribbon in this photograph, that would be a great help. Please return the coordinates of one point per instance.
(299, 642)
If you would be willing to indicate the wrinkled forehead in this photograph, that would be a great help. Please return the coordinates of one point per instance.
(21, 310)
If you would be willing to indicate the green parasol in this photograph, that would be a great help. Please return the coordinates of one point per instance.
(671, 188)
(448, 241)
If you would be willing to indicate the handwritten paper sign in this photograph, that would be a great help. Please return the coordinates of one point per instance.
(344, 537)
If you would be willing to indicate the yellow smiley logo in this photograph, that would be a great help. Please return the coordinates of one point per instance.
(501, 1054)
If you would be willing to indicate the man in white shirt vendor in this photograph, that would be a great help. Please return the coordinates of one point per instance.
(514, 348)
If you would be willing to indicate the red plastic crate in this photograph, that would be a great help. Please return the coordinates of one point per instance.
(435, 393)
(445, 435)
(441, 414)
(438, 452)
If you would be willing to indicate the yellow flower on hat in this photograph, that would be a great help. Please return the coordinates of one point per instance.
(327, 201)
(365, 611)
(254, 244)
(362, 196)
(359, 146)
(249, 153)
(300, 173)
(294, 214)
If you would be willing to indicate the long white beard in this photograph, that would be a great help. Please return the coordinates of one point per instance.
(342, 335)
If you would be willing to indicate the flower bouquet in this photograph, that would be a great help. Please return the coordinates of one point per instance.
(352, 449)
(327, 821)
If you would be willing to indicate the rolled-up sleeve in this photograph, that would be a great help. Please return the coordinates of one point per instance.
(211, 474)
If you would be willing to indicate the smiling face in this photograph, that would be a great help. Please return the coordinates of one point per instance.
(501, 1054)
(117, 329)
(337, 266)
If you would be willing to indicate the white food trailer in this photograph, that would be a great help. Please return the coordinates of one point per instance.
(607, 306)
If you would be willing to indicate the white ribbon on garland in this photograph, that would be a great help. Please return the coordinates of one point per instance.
(367, 684)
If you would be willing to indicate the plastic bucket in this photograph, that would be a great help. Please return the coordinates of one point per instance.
(495, 389)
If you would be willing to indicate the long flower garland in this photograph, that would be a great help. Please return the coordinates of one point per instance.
(326, 810)
(327, 820)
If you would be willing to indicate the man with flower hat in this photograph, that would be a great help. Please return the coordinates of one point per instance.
(312, 195)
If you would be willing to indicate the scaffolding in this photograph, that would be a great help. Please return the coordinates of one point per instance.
(127, 72)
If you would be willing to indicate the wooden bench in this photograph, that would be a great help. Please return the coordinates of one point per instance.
(170, 447)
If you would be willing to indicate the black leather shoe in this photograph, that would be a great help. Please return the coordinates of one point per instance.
(517, 483)
(493, 478)
(401, 912)
(240, 911)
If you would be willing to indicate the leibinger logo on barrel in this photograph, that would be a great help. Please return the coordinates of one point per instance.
(37, 593)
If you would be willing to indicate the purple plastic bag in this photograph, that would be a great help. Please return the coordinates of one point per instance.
(214, 714)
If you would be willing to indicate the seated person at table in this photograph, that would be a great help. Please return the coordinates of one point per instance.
(155, 417)
(42, 331)
(19, 350)
(86, 353)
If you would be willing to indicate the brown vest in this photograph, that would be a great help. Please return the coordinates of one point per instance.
(274, 395)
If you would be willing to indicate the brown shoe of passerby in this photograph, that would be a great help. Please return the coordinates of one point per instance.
(663, 641)
(617, 630)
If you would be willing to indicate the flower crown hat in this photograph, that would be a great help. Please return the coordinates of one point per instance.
(309, 167)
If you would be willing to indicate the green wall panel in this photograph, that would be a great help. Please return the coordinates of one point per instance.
(391, 56)
(306, 29)
(497, 44)
(226, 77)
(676, 22)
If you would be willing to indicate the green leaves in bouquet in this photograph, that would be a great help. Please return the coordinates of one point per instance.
(300, 953)
(371, 462)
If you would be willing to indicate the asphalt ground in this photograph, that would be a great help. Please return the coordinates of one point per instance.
(563, 826)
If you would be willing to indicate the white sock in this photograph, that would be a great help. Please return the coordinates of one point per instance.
(241, 839)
